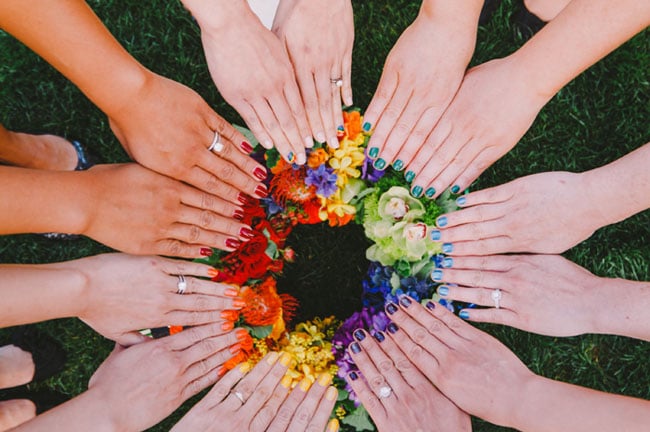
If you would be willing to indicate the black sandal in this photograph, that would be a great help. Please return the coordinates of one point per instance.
(526, 23)
(43, 399)
(47, 354)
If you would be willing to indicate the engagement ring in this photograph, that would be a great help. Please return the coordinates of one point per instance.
(182, 285)
(496, 296)
(385, 392)
(216, 145)
(337, 82)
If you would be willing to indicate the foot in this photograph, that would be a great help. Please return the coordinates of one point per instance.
(15, 412)
(16, 367)
(546, 10)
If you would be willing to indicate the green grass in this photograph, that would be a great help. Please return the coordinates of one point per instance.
(597, 118)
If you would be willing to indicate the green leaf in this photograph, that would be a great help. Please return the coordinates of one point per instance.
(260, 332)
(248, 135)
(359, 419)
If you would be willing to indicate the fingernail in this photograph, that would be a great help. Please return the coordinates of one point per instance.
(320, 137)
(379, 336)
(340, 128)
(331, 394)
(380, 164)
(286, 381)
(359, 335)
(373, 152)
(245, 367)
(417, 191)
(285, 359)
(391, 308)
(309, 142)
(206, 252)
(227, 326)
(301, 159)
(230, 292)
(448, 262)
(213, 272)
(430, 192)
(325, 379)
(272, 357)
(435, 235)
(246, 146)
(235, 348)
(247, 233)
(461, 201)
(241, 334)
(333, 425)
(333, 143)
(436, 275)
(405, 301)
(392, 328)
(229, 315)
(409, 176)
(243, 198)
(443, 291)
(233, 243)
(222, 371)
(464, 314)
(430, 305)
(447, 248)
(238, 303)
(268, 144)
(353, 376)
(455, 189)
(355, 347)
(398, 165)
(260, 173)
(442, 221)
(238, 214)
(305, 384)
(261, 191)
(290, 157)
(367, 126)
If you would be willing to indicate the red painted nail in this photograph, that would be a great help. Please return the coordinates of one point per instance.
(213, 272)
(246, 146)
(247, 233)
(261, 191)
(233, 243)
(260, 173)
(239, 214)
(243, 198)
(206, 252)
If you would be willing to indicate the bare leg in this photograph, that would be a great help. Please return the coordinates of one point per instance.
(16, 366)
(546, 10)
(15, 412)
(47, 152)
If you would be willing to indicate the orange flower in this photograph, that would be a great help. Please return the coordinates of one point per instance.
(317, 158)
(289, 185)
(352, 123)
(280, 166)
(263, 304)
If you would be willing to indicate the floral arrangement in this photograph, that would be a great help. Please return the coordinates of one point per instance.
(337, 186)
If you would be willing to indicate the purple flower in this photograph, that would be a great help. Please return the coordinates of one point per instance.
(271, 206)
(324, 179)
(368, 171)
(377, 286)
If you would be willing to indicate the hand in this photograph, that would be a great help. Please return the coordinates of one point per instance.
(544, 294)
(492, 110)
(126, 293)
(421, 76)
(318, 36)
(143, 384)
(263, 394)
(414, 404)
(135, 210)
(253, 73)
(474, 370)
(541, 213)
(168, 128)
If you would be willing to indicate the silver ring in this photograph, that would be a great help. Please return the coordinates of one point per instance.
(385, 392)
(182, 285)
(216, 145)
(496, 296)
(239, 396)
(337, 81)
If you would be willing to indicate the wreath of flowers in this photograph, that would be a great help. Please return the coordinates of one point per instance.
(337, 186)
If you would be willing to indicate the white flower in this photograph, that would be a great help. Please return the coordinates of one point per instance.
(415, 232)
(397, 208)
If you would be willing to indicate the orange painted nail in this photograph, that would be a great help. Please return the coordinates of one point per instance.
(305, 384)
(228, 325)
(222, 371)
(325, 379)
(235, 348)
(286, 381)
(333, 425)
(230, 292)
(213, 272)
(238, 303)
(229, 315)
(241, 334)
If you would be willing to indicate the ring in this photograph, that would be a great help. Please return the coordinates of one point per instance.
(496, 296)
(239, 396)
(216, 145)
(182, 285)
(385, 392)
(337, 81)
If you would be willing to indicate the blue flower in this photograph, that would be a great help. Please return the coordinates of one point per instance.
(324, 179)
(368, 171)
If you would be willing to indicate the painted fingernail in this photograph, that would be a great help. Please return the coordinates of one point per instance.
(325, 379)
(391, 308)
(261, 191)
(290, 157)
(367, 126)
(260, 173)
(272, 357)
(309, 142)
(333, 425)
(455, 189)
(331, 393)
(379, 336)
(238, 303)
(392, 328)
(436, 275)
(461, 201)
(213, 272)
(247, 233)
(442, 221)
(417, 191)
(355, 347)
(245, 367)
(447, 248)
(230, 292)
(430, 192)
(435, 235)
(405, 301)
(229, 315)
(333, 142)
(222, 371)
(409, 176)
(359, 335)
(448, 262)
(464, 314)
(238, 214)
(443, 291)
(243, 198)
(241, 334)
(340, 128)
(373, 152)
(353, 376)
(267, 144)
(235, 348)
(227, 326)
(285, 359)
(245, 145)
(380, 164)
(233, 243)
(286, 381)
(320, 137)
(430, 305)
(305, 384)
(206, 252)
(398, 165)
(301, 159)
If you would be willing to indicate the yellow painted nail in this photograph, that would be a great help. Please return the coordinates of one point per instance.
(285, 359)
(286, 381)
(333, 425)
(325, 379)
(305, 384)
(272, 357)
(244, 367)
(332, 393)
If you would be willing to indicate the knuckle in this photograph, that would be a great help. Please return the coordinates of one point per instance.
(194, 234)
(302, 416)
(385, 365)
(419, 335)
(227, 172)
(434, 327)
(212, 183)
(207, 219)
(174, 248)
(201, 303)
(377, 381)
(403, 365)
(194, 387)
(208, 346)
(415, 352)
(285, 414)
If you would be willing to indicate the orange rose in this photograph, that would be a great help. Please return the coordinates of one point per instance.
(317, 158)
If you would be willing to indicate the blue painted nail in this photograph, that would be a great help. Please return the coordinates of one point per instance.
(430, 305)
(448, 262)
(340, 128)
(367, 126)
(379, 336)
(409, 176)
(359, 335)
(443, 291)
(391, 308)
(353, 376)
(435, 235)
(417, 191)
(373, 152)
(442, 221)
(430, 192)
(464, 314)
(398, 165)
(392, 328)
(436, 275)
(380, 164)
(405, 301)
(461, 201)
(290, 156)
(447, 248)
(455, 189)
(355, 348)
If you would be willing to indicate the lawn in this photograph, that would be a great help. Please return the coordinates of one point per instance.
(599, 117)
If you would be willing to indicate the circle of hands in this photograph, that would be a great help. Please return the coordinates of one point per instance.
(431, 118)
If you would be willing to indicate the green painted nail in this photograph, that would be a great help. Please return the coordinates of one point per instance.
(409, 176)
(373, 152)
(455, 189)
(380, 164)
(367, 126)
(417, 191)
(430, 192)
(398, 165)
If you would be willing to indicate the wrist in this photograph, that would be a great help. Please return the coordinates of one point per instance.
(528, 402)
(215, 16)
(458, 32)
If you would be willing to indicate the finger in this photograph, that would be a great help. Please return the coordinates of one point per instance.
(421, 358)
(420, 164)
(175, 248)
(403, 365)
(211, 351)
(463, 158)
(222, 389)
(479, 213)
(383, 95)
(264, 388)
(265, 415)
(203, 303)
(212, 222)
(457, 328)
(209, 365)
(473, 278)
(288, 408)
(205, 287)
(346, 90)
(198, 385)
(131, 338)
(305, 411)
(210, 183)
(324, 91)
(272, 125)
(492, 315)
(368, 398)
(473, 170)
(205, 201)
(295, 103)
(415, 139)
(229, 133)
(229, 172)
(194, 318)
(247, 385)
(491, 246)
(182, 267)
(310, 98)
(294, 136)
(188, 337)
(337, 108)
(424, 159)
(474, 231)
(496, 263)
(479, 296)
(243, 163)
(389, 120)
(192, 234)
(323, 410)
(258, 129)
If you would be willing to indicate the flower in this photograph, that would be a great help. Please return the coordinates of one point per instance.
(317, 157)
(323, 179)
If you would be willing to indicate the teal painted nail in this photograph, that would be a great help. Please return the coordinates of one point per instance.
(448, 262)
(435, 235)
(464, 314)
(430, 192)
(436, 275)
(417, 191)
(461, 201)
(443, 291)
(340, 128)
(380, 164)
(409, 176)
(398, 165)
(447, 248)
(290, 157)
(455, 189)
(367, 126)
(442, 221)
(373, 152)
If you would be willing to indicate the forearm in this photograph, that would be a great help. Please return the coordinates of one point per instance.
(547, 405)
(583, 33)
(69, 36)
(217, 15)
(461, 16)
